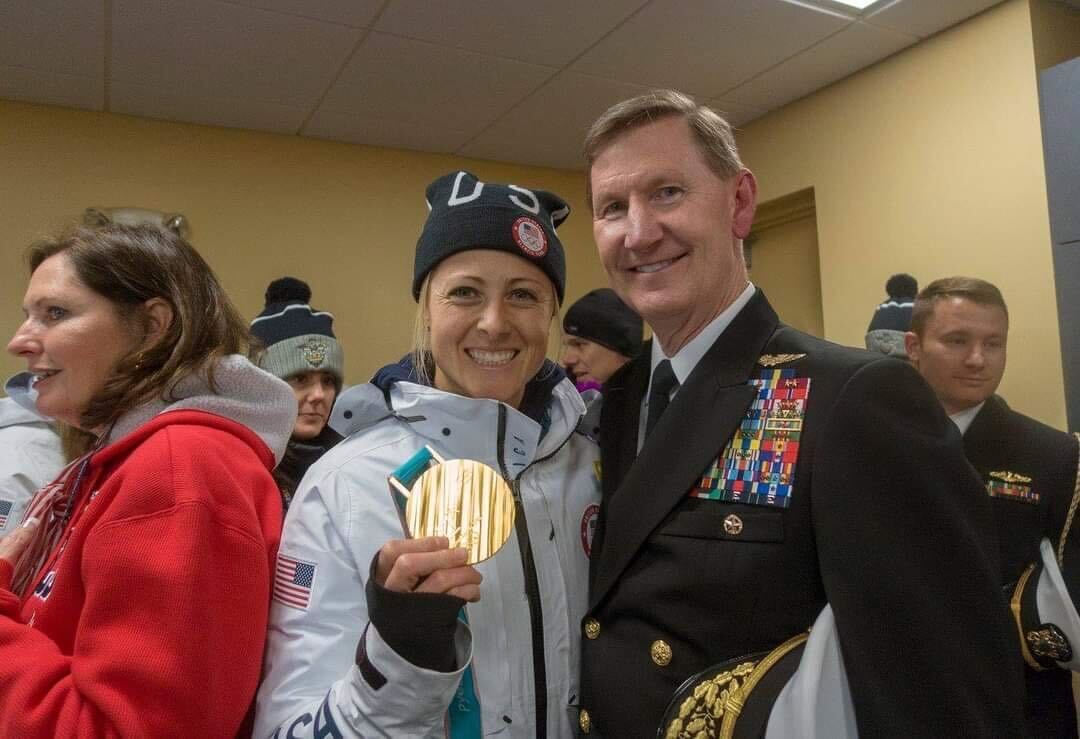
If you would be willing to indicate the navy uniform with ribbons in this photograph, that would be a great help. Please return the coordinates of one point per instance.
(1030, 473)
(792, 480)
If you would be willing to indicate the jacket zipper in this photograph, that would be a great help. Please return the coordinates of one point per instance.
(532, 586)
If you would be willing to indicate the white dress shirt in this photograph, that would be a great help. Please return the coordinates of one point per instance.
(964, 418)
(684, 360)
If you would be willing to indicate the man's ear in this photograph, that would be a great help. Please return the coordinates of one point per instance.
(742, 217)
(159, 317)
(912, 346)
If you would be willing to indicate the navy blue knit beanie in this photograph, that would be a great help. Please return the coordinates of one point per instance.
(600, 316)
(465, 213)
(892, 319)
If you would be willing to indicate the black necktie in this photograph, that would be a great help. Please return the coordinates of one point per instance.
(663, 382)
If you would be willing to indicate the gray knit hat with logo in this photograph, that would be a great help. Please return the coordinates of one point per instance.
(296, 337)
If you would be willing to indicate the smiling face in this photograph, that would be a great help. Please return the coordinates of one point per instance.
(489, 314)
(961, 351)
(669, 229)
(72, 339)
(315, 393)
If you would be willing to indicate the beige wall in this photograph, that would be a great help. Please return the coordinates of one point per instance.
(930, 162)
(1055, 29)
(343, 217)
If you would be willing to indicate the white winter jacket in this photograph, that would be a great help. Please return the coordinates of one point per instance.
(343, 513)
(30, 453)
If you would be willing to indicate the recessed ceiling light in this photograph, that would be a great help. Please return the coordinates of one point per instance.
(844, 8)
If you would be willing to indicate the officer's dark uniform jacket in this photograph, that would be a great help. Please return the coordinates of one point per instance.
(1030, 472)
(887, 524)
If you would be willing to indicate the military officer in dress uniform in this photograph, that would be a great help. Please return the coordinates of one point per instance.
(756, 478)
(959, 332)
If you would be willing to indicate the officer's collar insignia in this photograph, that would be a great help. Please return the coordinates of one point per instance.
(314, 352)
(773, 360)
(1011, 477)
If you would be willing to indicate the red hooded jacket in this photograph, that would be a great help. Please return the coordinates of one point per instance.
(149, 618)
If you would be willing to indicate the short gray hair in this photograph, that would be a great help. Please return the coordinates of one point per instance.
(712, 133)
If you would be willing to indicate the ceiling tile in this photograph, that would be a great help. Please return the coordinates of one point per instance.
(413, 81)
(547, 129)
(926, 17)
(54, 36)
(357, 13)
(179, 104)
(216, 49)
(552, 34)
(418, 135)
(857, 46)
(734, 112)
(51, 88)
(705, 47)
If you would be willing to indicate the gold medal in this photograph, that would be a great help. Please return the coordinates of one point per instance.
(467, 502)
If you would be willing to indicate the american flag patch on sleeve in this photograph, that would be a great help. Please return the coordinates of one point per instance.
(5, 511)
(292, 582)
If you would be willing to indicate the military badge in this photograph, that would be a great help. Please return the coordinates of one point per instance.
(757, 465)
(773, 360)
(314, 352)
(1012, 486)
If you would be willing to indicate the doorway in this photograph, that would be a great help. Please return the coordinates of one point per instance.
(782, 257)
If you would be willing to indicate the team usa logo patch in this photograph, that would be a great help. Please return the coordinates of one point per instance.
(1012, 486)
(588, 527)
(530, 237)
(293, 580)
(757, 465)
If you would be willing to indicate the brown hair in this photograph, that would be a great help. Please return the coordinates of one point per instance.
(130, 265)
(969, 288)
(712, 133)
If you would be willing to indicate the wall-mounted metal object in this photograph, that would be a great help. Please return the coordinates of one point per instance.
(175, 222)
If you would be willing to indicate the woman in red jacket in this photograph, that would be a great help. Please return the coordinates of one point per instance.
(133, 599)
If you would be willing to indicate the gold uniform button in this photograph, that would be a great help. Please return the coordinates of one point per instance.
(584, 721)
(733, 525)
(661, 653)
(592, 628)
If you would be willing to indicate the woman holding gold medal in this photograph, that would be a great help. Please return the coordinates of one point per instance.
(370, 632)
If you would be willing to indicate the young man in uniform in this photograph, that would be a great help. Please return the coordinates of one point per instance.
(958, 339)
